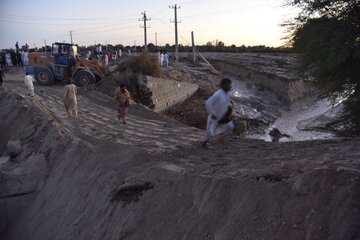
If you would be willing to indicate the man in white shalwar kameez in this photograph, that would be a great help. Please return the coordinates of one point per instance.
(106, 59)
(29, 83)
(217, 106)
(70, 100)
(161, 59)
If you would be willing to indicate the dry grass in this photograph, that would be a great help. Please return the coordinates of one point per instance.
(144, 64)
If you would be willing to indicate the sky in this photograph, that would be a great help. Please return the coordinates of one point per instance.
(89, 22)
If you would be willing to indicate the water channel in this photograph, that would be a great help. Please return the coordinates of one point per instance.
(290, 120)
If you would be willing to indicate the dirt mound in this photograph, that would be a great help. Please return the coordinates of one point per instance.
(99, 188)
(192, 112)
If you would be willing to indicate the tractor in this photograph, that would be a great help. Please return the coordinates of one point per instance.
(63, 63)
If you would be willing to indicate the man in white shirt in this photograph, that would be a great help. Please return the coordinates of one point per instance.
(106, 57)
(219, 110)
(29, 83)
(26, 58)
(70, 100)
(166, 59)
(161, 59)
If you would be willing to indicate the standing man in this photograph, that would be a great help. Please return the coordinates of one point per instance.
(70, 100)
(166, 59)
(8, 59)
(106, 59)
(122, 100)
(17, 47)
(29, 83)
(219, 110)
(161, 59)
(19, 59)
(2, 76)
(3, 59)
(26, 58)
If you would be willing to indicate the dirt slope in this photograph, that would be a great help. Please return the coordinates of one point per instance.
(150, 180)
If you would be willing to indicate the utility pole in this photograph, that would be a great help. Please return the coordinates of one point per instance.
(156, 40)
(71, 37)
(44, 45)
(144, 19)
(176, 31)
(193, 45)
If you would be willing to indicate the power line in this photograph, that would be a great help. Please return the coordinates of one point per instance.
(193, 1)
(232, 11)
(160, 10)
(106, 30)
(51, 24)
(112, 26)
(66, 19)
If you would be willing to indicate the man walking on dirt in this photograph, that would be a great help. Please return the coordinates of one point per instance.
(219, 110)
(29, 83)
(70, 100)
(122, 100)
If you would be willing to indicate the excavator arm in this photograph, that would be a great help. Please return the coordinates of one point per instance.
(92, 65)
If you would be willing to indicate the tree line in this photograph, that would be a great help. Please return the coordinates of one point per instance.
(209, 47)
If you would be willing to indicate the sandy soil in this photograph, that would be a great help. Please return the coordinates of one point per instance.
(95, 178)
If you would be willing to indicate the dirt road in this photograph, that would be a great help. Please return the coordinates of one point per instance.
(150, 180)
(97, 118)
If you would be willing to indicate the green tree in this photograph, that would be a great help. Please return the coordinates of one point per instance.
(167, 46)
(220, 45)
(151, 47)
(209, 47)
(209, 44)
(326, 33)
(119, 46)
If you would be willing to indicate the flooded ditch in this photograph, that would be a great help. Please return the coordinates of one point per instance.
(300, 120)
(268, 91)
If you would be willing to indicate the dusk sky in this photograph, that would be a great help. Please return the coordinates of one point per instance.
(238, 22)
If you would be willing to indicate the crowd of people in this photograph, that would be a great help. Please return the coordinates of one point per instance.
(16, 57)
(103, 57)
(163, 58)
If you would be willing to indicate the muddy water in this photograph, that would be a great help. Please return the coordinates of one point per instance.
(289, 117)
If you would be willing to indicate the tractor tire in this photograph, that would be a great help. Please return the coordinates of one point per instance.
(84, 78)
(44, 76)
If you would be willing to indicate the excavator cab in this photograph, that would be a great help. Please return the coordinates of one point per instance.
(65, 53)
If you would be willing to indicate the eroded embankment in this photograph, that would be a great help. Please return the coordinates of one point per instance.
(288, 89)
(24, 174)
(99, 189)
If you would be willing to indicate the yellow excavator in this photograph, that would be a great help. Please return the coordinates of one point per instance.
(63, 63)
